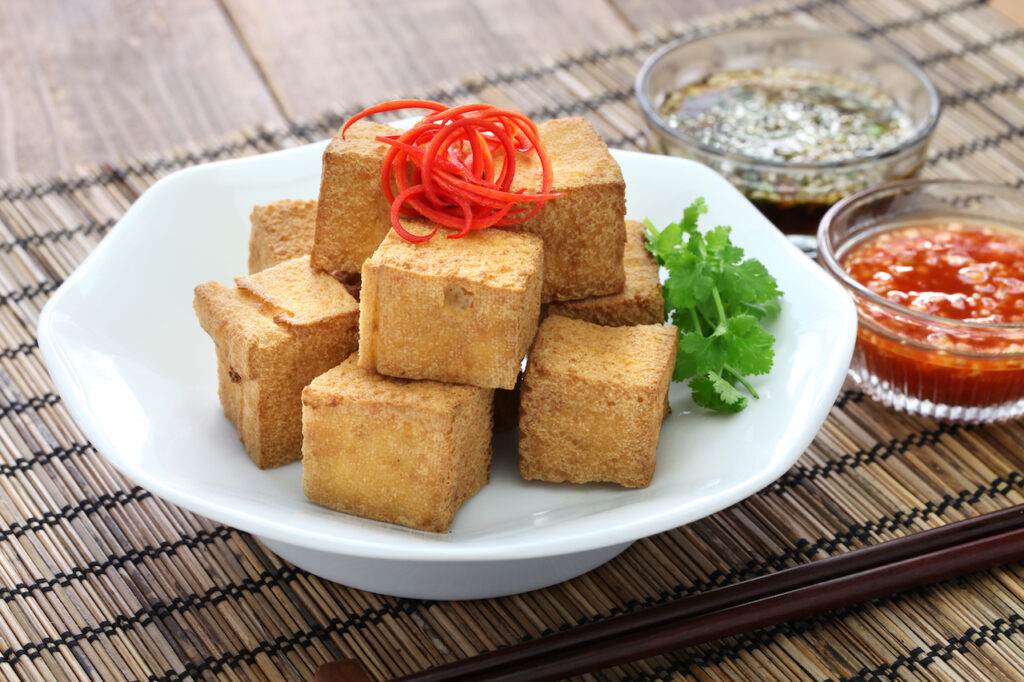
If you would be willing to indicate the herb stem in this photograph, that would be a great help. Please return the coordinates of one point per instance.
(696, 321)
(739, 377)
(718, 305)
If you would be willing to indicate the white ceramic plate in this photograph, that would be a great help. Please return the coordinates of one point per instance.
(138, 374)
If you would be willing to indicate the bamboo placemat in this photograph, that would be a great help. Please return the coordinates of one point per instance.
(101, 580)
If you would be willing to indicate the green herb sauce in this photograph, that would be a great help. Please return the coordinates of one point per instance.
(787, 114)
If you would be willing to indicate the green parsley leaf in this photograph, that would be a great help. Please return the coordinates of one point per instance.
(691, 213)
(717, 299)
(748, 346)
(712, 392)
(689, 284)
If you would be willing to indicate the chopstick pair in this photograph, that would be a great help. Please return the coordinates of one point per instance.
(905, 563)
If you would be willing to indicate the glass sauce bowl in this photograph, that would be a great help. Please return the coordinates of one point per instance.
(964, 371)
(793, 194)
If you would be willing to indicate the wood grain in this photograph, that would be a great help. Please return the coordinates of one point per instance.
(93, 81)
(107, 78)
(317, 53)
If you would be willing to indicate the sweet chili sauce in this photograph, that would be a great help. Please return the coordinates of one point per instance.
(968, 282)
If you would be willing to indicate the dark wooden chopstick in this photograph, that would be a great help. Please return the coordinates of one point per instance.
(905, 563)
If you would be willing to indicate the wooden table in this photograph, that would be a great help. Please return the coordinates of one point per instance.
(94, 81)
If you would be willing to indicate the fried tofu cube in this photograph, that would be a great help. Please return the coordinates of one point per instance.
(462, 311)
(395, 450)
(592, 401)
(275, 332)
(280, 231)
(640, 302)
(582, 230)
(352, 214)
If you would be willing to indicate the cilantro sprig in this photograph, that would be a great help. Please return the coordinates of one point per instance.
(717, 300)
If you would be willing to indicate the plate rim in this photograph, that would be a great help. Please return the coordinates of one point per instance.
(60, 370)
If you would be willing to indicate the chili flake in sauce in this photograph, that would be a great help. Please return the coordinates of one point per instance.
(960, 272)
(954, 273)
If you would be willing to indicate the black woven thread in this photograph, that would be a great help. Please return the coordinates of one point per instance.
(919, 659)
(147, 615)
(850, 395)
(868, 532)
(879, 452)
(633, 50)
(279, 645)
(164, 550)
(84, 229)
(37, 458)
(68, 512)
(116, 175)
(23, 348)
(918, 19)
(976, 145)
(972, 48)
(33, 403)
(30, 291)
(983, 93)
(859, 533)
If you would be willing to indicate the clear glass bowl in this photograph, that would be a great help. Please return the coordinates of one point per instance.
(794, 196)
(951, 370)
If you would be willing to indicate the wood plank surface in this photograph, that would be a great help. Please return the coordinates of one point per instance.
(89, 81)
(319, 53)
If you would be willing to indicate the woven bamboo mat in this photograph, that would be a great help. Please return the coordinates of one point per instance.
(101, 580)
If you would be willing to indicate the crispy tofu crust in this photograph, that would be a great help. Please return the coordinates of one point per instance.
(267, 352)
(593, 399)
(583, 230)
(352, 214)
(394, 450)
(455, 310)
(640, 301)
(280, 231)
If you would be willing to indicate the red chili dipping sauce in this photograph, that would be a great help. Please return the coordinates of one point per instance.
(955, 271)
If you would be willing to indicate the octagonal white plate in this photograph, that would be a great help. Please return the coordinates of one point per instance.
(138, 374)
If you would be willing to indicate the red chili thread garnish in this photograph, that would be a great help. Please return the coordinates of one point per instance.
(455, 167)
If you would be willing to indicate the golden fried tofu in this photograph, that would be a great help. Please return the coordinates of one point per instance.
(280, 231)
(462, 311)
(352, 214)
(640, 301)
(583, 229)
(395, 450)
(275, 332)
(592, 402)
